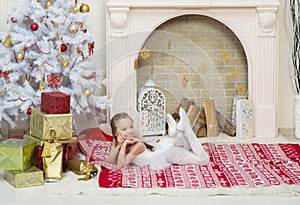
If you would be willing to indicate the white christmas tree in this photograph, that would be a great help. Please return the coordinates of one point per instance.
(45, 49)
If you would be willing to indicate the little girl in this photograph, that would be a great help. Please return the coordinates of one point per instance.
(126, 148)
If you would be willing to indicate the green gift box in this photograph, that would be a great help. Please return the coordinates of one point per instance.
(16, 154)
(30, 177)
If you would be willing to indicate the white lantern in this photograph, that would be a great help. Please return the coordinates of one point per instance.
(152, 108)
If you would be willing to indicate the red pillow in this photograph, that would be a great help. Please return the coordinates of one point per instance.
(94, 133)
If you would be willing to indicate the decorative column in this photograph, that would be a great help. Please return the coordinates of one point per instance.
(120, 74)
(265, 73)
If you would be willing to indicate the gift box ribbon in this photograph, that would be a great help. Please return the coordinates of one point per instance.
(47, 145)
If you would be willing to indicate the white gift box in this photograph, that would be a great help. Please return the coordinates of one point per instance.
(244, 118)
(235, 99)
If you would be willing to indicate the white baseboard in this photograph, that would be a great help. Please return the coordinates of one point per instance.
(286, 131)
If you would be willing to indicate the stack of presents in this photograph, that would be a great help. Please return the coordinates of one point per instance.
(42, 155)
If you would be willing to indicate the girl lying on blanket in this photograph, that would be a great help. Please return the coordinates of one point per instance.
(126, 148)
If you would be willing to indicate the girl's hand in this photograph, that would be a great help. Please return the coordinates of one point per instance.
(119, 141)
(131, 140)
(120, 138)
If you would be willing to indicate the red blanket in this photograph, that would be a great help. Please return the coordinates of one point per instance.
(231, 165)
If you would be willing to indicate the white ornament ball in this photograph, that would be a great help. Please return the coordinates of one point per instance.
(73, 28)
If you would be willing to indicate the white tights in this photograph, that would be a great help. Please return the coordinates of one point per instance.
(192, 151)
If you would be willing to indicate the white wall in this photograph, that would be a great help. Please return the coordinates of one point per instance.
(285, 88)
(96, 25)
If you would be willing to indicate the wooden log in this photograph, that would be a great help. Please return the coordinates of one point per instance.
(175, 114)
(225, 126)
(196, 127)
(193, 114)
(211, 118)
(200, 125)
(202, 132)
(186, 103)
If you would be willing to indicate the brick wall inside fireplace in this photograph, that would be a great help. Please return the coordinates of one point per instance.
(195, 57)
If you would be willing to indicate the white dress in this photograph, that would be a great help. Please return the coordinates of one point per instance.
(156, 159)
(167, 152)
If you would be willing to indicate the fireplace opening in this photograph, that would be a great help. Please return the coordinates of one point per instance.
(194, 57)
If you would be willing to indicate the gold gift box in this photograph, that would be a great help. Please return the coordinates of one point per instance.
(41, 142)
(16, 154)
(41, 125)
(52, 160)
(30, 177)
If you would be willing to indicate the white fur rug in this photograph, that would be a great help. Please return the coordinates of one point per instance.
(69, 186)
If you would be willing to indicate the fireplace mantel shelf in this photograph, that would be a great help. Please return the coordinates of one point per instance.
(192, 3)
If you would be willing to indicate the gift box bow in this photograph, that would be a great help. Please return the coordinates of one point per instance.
(54, 80)
(4, 74)
(47, 145)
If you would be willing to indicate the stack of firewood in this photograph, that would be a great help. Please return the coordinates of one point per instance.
(206, 121)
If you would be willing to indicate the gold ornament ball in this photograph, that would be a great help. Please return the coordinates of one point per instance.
(87, 92)
(73, 28)
(84, 8)
(48, 4)
(20, 56)
(75, 9)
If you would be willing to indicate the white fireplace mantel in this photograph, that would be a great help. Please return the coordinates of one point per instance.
(254, 22)
(191, 3)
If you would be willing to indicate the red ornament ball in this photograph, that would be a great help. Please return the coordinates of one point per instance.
(13, 19)
(34, 27)
(29, 111)
(63, 47)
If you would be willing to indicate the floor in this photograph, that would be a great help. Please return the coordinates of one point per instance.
(67, 190)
